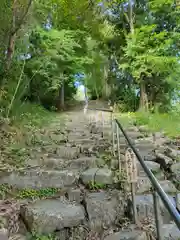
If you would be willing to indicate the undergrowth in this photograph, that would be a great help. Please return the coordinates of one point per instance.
(168, 123)
(19, 130)
(35, 236)
(31, 194)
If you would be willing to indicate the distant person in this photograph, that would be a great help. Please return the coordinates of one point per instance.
(110, 105)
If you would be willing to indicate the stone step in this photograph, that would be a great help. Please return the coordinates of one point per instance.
(170, 231)
(80, 164)
(144, 186)
(48, 216)
(16, 237)
(145, 208)
(104, 208)
(4, 235)
(103, 176)
(145, 146)
(36, 179)
(131, 232)
(68, 152)
(153, 166)
(81, 141)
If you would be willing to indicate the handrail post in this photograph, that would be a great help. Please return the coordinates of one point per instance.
(113, 138)
(102, 115)
(135, 215)
(118, 148)
(164, 197)
(157, 214)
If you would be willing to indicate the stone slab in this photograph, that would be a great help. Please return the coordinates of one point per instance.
(48, 216)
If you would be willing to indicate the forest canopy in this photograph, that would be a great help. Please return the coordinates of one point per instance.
(126, 51)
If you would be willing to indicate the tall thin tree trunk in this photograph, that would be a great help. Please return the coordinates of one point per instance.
(10, 51)
(143, 97)
(131, 20)
(15, 26)
(61, 97)
(12, 39)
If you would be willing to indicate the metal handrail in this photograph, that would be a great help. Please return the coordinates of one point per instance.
(157, 187)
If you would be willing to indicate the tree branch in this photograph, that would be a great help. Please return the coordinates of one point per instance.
(22, 18)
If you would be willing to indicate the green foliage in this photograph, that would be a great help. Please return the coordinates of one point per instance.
(31, 194)
(4, 190)
(36, 236)
(130, 56)
(95, 186)
(157, 122)
(36, 194)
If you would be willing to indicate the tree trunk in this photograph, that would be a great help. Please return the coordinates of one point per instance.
(85, 94)
(131, 20)
(10, 51)
(61, 105)
(13, 32)
(143, 97)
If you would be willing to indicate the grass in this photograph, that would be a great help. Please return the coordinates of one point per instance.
(169, 123)
(35, 236)
(32, 115)
(31, 194)
(21, 128)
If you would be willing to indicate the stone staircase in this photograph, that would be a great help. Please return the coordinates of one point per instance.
(87, 204)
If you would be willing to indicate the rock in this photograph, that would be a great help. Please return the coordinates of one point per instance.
(143, 128)
(132, 129)
(134, 135)
(78, 233)
(74, 195)
(58, 138)
(73, 136)
(18, 237)
(175, 168)
(150, 157)
(68, 152)
(9, 216)
(163, 160)
(95, 129)
(97, 175)
(128, 235)
(170, 232)
(81, 163)
(172, 153)
(144, 185)
(102, 209)
(52, 163)
(161, 140)
(145, 140)
(168, 186)
(145, 208)
(145, 149)
(82, 140)
(48, 216)
(153, 166)
(41, 179)
(178, 201)
(4, 235)
(145, 146)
